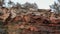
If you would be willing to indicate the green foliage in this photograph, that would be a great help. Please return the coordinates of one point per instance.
(27, 5)
(30, 5)
(55, 7)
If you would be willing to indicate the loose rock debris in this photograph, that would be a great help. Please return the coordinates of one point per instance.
(29, 23)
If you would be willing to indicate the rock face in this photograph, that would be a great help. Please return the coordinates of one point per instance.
(29, 21)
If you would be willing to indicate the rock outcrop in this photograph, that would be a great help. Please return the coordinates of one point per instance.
(25, 21)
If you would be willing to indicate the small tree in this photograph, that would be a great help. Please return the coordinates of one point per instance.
(29, 5)
(56, 7)
(8, 4)
(18, 5)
